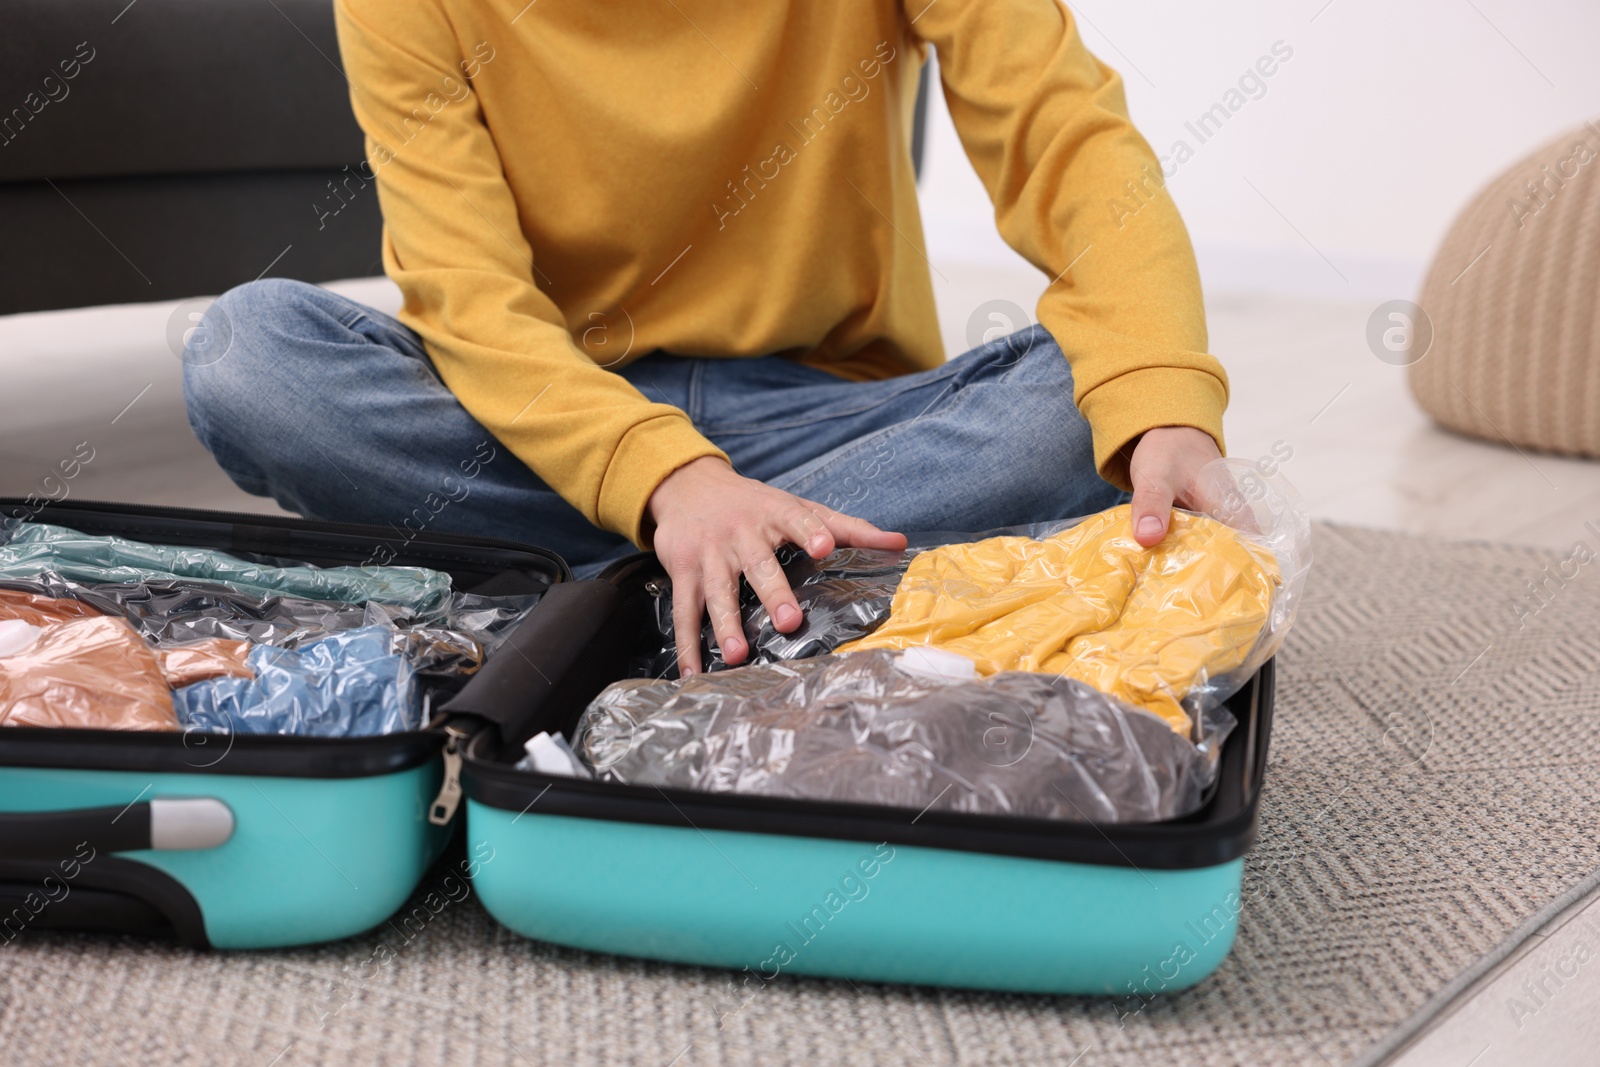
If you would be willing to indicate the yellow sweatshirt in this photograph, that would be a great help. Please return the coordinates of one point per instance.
(567, 187)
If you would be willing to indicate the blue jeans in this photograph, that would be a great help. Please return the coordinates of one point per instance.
(335, 411)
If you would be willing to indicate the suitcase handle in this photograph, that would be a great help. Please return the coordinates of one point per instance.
(163, 824)
(522, 672)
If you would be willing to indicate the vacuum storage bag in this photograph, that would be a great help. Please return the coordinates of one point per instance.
(843, 596)
(111, 633)
(85, 672)
(37, 546)
(348, 684)
(448, 640)
(1112, 660)
(903, 729)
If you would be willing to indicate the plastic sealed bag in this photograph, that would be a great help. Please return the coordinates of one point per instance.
(917, 729)
(451, 640)
(88, 672)
(487, 620)
(1175, 629)
(35, 547)
(40, 608)
(1091, 603)
(199, 661)
(843, 596)
(348, 684)
(169, 613)
(242, 656)
(62, 663)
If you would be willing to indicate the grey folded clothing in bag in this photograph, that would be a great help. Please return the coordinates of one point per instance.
(915, 729)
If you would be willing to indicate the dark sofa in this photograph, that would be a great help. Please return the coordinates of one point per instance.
(169, 148)
(174, 148)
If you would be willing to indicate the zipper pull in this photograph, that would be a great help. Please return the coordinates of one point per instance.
(444, 805)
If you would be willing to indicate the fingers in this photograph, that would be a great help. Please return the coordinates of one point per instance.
(766, 577)
(686, 609)
(847, 531)
(1152, 509)
(1163, 468)
(722, 604)
(735, 530)
(859, 533)
(803, 524)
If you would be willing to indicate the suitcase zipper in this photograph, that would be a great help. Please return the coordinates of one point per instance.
(443, 808)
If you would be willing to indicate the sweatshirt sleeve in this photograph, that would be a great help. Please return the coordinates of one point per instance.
(454, 244)
(1079, 194)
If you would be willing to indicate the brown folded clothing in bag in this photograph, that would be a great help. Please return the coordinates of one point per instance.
(216, 657)
(81, 668)
(36, 610)
(86, 672)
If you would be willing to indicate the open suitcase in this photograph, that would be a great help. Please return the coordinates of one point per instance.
(239, 841)
(772, 885)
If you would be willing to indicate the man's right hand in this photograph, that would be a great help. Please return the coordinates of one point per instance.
(712, 524)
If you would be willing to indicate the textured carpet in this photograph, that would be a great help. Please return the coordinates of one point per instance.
(1431, 785)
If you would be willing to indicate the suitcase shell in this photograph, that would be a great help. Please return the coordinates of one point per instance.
(772, 885)
(328, 836)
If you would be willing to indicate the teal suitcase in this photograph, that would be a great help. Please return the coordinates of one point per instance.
(768, 886)
(239, 841)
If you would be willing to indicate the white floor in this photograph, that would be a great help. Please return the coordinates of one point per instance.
(103, 381)
(1541, 1006)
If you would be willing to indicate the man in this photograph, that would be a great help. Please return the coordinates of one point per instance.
(664, 286)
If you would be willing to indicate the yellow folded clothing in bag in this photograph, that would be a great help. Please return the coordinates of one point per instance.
(1142, 624)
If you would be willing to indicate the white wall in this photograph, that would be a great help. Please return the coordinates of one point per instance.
(1387, 118)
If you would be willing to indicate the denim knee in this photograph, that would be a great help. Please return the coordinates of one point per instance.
(239, 364)
(1031, 350)
(221, 351)
(1051, 471)
(1031, 364)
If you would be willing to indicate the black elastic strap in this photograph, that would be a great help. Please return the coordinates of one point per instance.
(513, 685)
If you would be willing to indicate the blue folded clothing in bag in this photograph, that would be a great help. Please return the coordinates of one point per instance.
(348, 684)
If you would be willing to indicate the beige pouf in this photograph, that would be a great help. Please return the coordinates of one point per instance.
(1514, 298)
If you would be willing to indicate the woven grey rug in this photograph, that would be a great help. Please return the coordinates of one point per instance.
(1431, 785)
